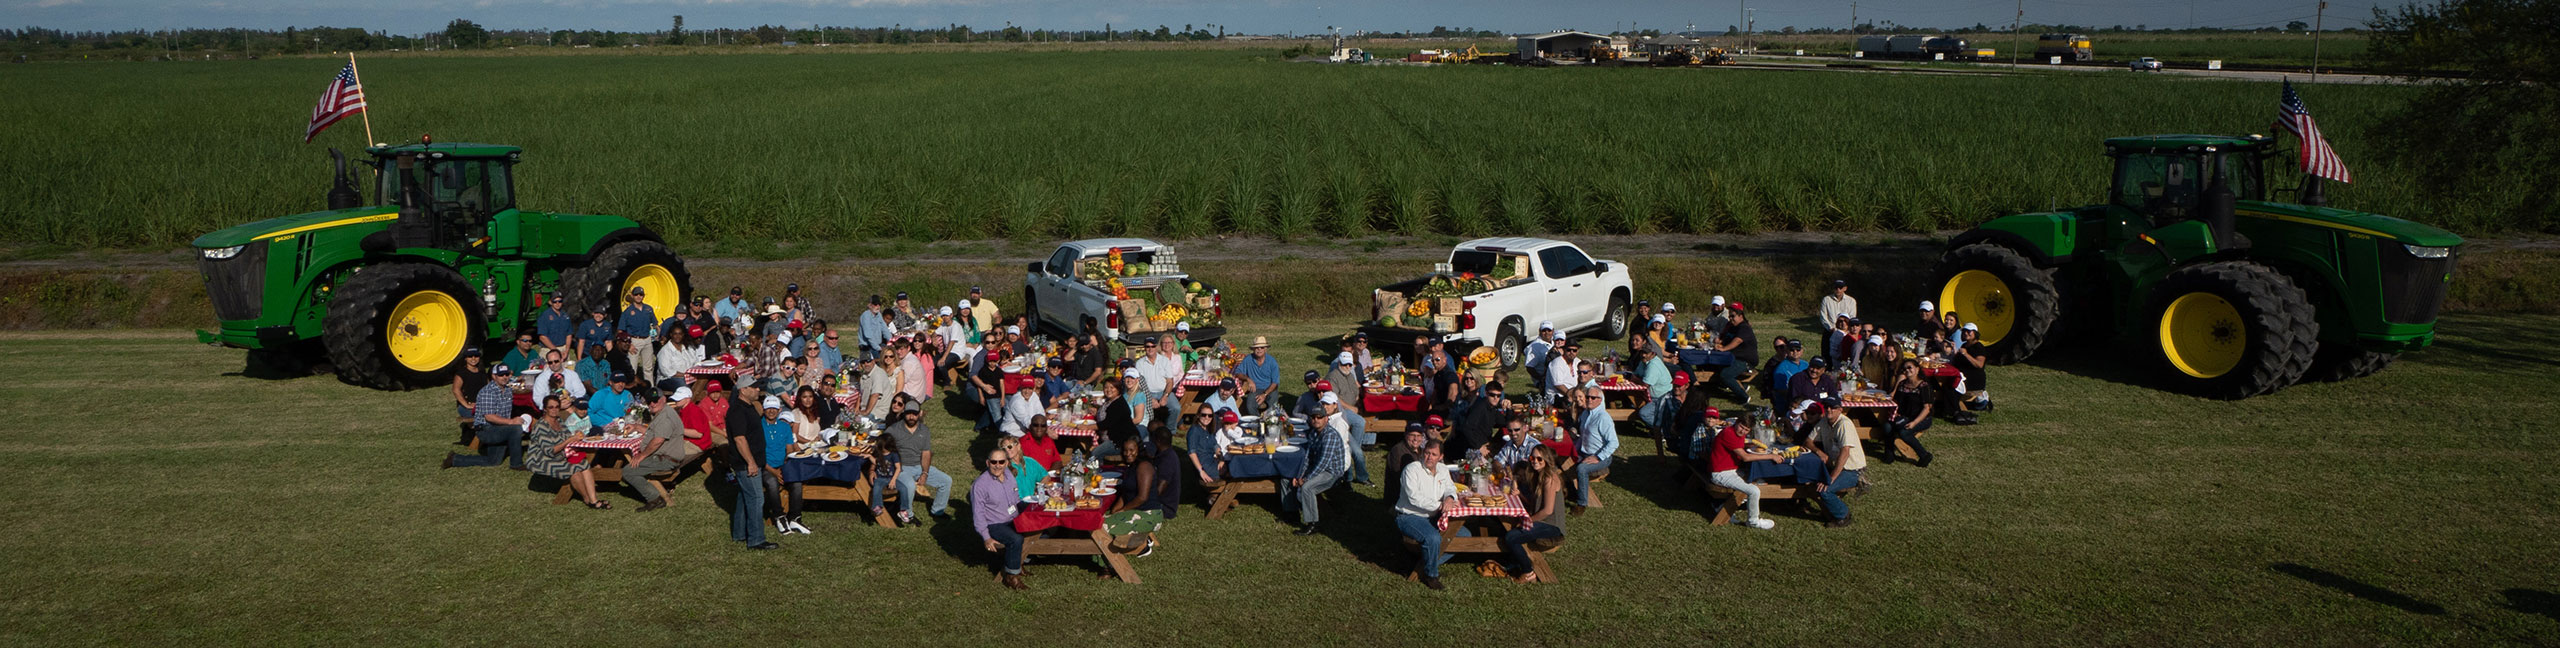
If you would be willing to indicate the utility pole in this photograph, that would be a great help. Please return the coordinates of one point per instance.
(1853, 17)
(2013, 32)
(2316, 17)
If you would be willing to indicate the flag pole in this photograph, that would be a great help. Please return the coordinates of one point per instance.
(368, 109)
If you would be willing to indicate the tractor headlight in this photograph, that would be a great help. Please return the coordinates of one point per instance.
(218, 254)
(2425, 252)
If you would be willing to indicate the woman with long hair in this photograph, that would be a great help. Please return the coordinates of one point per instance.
(1541, 479)
(1029, 470)
(1913, 400)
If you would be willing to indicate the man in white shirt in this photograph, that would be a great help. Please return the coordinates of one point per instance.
(1019, 407)
(879, 386)
(551, 369)
(1838, 304)
(1159, 371)
(1563, 372)
(1536, 357)
(1427, 493)
(1835, 438)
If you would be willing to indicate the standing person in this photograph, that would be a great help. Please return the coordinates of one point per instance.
(556, 326)
(1261, 374)
(494, 421)
(1427, 493)
(1836, 439)
(775, 428)
(548, 454)
(983, 311)
(1970, 358)
(992, 501)
(1838, 304)
(670, 444)
(1738, 340)
(1724, 466)
(746, 437)
(874, 329)
(1599, 444)
(915, 463)
(595, 335)
(1328, 458)
(1540, 351)
(640, 322)
(1540, 480)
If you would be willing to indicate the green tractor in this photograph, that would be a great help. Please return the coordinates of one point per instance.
(2233, 295)
(390, 293)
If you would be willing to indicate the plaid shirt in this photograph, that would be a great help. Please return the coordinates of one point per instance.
(1325, 453)
(766, 362)
(495, 399)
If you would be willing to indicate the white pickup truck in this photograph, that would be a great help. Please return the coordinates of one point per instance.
(1495, 291)
(1073, 289)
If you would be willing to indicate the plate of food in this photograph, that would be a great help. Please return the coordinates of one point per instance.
(1110, 481)
(1106, 490)
(804, 453)
(838, 455)
(1297, 441)
(1035, 499)
(1289, 448)
(1251, 440)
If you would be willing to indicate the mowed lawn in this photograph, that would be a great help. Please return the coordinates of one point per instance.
(156, 499)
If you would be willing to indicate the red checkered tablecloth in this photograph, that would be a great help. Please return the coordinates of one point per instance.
(1509, 508)
(601, 443)
(1081, 428)
(1622, 386)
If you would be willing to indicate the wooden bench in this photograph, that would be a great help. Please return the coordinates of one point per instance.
(1594, 495)
(1867, 433)
(1089, 543)
(1223, 498)
(1488, 539)
(1723, 501)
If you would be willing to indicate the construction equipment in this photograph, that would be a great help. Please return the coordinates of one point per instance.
(2071, 47)
(2233, 295)
(390, 293)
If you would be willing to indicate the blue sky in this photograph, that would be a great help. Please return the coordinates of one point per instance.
(1247, 16)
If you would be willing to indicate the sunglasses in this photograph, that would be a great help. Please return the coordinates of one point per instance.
(993, 461)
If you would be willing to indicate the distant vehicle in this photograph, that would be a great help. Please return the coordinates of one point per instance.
(1075, 288)
(2071, 47)
(1921, 47)
(2146, 64)
(1495, 291)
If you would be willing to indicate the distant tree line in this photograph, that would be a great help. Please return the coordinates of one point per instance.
(41, 42)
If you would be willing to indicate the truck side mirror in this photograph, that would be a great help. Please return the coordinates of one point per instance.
(1603, 267)
(1037, 265)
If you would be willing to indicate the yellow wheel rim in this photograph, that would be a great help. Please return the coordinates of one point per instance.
(426, 330)
(658, 288)
(2203, 335)
(1983, 299)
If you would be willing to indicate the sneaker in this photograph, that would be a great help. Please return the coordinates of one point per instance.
(1763, 524)
(1433, 582)
(767, 545)
(798, 528)
(1305, 530)
(906, 519)
(1149, 550)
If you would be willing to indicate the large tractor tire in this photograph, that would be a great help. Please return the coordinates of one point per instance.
(1999, 291)
(611, 275)
(402, 326)
(2339, 362)
(2232, 329)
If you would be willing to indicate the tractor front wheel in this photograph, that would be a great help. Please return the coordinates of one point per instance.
(402, 326)
(643, 264)
(2000, 292)
(2232, 329)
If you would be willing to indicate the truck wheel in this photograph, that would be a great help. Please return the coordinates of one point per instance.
(402, 326)
(2232, 329)
(1613, 326)
(648, 265)
(2000, 292)
(1510, 345)
(2338, 362)
(1031, 310)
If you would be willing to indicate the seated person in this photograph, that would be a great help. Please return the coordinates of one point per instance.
(1541, 479)
(1040, 444)
(1725, 456)
(1029, 472)
(1405, 450)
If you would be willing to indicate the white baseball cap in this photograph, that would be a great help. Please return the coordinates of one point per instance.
(1718, 301)
(1669, 307)
(1546, 325)
(1657, 319)
(964, 304)
(771, 402)
(1970, 327)
(946, 311)
(1184, 327)
(1012, 330)
(1342, 358)
(1329, 399)
(682, 393)
(1877, 340)
(1926, 306)
(1803, 405)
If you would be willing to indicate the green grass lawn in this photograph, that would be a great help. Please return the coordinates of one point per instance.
(156, 499)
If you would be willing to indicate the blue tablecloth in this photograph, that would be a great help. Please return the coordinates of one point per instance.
(1265, 465)
(1705, 359)
(1806, 468)
(852, 469)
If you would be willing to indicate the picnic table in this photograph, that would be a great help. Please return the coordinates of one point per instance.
(1620, 396)
(607, 456)
(1073, 532)
(1489, 520)
(1253, 473)
(1799, 475)
(1869, 410)
(845, 480)
(1376, 400)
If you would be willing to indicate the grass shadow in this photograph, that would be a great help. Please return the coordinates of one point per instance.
(2531, 601)
(2359, 589)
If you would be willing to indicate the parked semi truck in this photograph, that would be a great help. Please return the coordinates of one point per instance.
(2071, 47)
(1921, 47)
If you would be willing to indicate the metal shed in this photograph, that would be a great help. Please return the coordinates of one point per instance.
(1563, 44)
(1667, 43)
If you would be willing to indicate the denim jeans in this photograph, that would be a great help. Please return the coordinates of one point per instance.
(1730, 378)
(1003, 533)
(1910, 434)
(1423, 532)
(498, 444)
(941, 483)
(1260, 401)
(1657, 412)
(1515, 550)
(1831, 503)
(1582, 479)
(746, 515)
(1733, 479)
(1360, 437)
(881, 484)
(1305, 500)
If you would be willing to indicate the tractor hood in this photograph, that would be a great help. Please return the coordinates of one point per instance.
(2369, 224)
(244, 233)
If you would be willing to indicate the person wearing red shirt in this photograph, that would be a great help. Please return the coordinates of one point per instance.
(1039, 444)
(1724, 466)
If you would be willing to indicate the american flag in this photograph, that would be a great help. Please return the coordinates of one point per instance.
(344, 97)
(2317, 158)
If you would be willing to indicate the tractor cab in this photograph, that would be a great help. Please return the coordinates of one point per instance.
(448, 195)
(2172, 180)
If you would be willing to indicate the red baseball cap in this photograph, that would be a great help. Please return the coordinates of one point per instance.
(1735, 307)
(1434, 421)
(715, 385)
(794, 325)
(1228, 416)
(1324, 385)
(693, 331)
(1680, 379)
(1714, 413)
